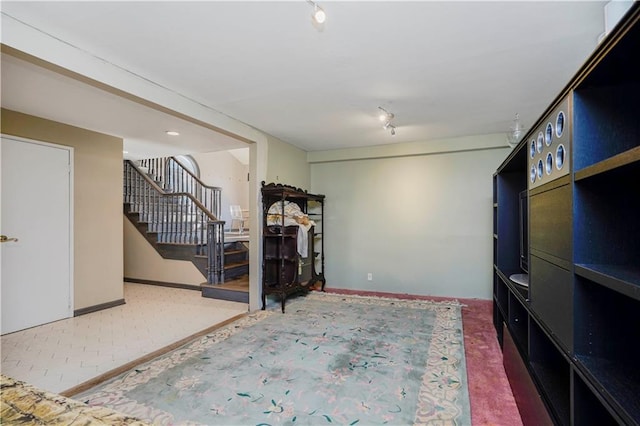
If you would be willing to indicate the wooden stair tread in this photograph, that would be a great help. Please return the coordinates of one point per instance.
(176, 244)
(238, 284)
(235, 265)
(230, 252)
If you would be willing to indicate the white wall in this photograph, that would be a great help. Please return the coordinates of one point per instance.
(421, 224)
(224, 170)
(287, 164)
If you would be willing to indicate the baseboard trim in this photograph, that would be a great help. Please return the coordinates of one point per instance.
(406, 296)
(162, 283)
(96, 308)
(132, 364)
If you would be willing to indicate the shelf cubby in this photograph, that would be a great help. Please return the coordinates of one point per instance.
(624, 279)
(502, 295)
(605, 122)
(495, 248)
(588, 408)
(508, 182)
(607, 344)
(507, 222)
(495, 221)
(606, 211)
(552, 371)
(498, 320)
(614, 62)
(626, 161)
(519, 324)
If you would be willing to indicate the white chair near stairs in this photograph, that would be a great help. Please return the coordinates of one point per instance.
(239, 216)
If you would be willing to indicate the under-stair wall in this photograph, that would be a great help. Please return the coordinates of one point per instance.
(143, 263)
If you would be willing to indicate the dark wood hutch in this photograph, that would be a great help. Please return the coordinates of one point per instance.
(284, 270)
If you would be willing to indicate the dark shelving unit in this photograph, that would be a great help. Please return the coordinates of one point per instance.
(575, 328)
(284, 270)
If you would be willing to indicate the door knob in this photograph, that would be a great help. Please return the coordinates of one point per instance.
(5, 239)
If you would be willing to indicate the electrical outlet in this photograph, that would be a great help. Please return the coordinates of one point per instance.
(369, 276)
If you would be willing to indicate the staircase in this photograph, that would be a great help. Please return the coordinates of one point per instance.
(177, 214)
(236, 278)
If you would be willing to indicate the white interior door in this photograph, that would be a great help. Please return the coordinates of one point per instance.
(36, 208)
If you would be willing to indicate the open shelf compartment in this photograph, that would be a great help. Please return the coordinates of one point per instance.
(498, 321)
(605, 122)
(607, 344)
(587, 407)
(624, 279)
(519, 324)
(510, 185)
(552, 371)
(606, 224)
(502, 295)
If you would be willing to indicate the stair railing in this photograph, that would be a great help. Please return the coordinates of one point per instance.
(172, 176)
(176, 217)
(215, 257)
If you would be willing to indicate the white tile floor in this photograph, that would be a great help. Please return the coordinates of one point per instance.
(63, 354)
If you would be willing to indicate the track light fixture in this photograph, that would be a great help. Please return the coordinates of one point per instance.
(319, 15)
(386, 117)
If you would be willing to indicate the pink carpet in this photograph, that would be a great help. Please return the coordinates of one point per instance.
(490, 395)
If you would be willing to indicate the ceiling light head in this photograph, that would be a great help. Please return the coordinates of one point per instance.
(515, 133)
(319, 15)
(516, 128)
(385, 116)
(172, 133)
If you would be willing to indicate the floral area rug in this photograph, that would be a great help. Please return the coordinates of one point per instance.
(330, 359)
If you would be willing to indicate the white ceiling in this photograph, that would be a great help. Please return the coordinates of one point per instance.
(445, 69)
(43, 93)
